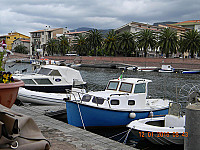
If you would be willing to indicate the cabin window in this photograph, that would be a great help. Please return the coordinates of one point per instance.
(98, 100)
(131, 102)
(140, 88)
(86, 98)
(112, 85)
(55, 73)
(114, 102)
(28, 81)
(126, 87)
(44, 71)
(43, 81)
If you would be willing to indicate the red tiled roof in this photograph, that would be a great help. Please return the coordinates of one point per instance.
(46, 30)
(76, 32)
(189, 21)
(24, 40)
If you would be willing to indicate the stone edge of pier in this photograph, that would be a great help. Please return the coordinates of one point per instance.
(64, 136)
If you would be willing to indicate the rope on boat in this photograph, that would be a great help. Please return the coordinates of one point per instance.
(124, 136)
(127, 136)
(81, 115)
(117, 134)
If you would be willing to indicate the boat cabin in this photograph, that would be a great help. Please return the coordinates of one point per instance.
(167, 67)
(123, 93)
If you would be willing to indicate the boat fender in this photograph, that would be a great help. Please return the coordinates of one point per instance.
(151, 114)
(132, 115)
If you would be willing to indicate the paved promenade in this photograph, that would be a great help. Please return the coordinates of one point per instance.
(178, 63)
(63, 136)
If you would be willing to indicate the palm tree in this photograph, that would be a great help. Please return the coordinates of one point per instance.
(146, 39)
(81, 46)
(110, 43)
(168, 41)
(94, 39)
(126, 43)
(191, 42)
(52, 46)
(63, 44)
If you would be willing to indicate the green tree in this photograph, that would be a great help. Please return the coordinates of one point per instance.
(126, 43)
(168, 41)
(63, 44)
(110, 43)
(146, 39)
(21, 49)
(190, 42)
(94, 39)
(52, 46)
(81, 46)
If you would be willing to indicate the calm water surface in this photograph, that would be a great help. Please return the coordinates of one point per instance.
(164, 85)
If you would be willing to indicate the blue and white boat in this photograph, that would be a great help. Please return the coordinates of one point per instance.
(191, 72)
(123, 101)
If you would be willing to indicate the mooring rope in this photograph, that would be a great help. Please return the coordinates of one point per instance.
(127, 136)
(118, 134)
(81, 115)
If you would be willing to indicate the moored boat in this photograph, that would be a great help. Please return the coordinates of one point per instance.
(147, 69)
(191, 72)
(166, 69)
(124, 100)
(50, 82)
(161, 130)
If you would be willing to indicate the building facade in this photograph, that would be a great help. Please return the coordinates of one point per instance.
(12, 37)
(21, 41)
(135, 27)
(191, 24)
(39, 38)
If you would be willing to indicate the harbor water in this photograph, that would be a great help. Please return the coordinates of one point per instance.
(164, 85)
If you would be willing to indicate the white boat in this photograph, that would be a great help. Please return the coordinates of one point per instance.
(43, 98)
(124, 100)
(132, 68)
(166, 69)
(147, 69)
(49, 79)
(161, 130)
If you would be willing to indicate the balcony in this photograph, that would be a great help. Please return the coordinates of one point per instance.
(36, 36)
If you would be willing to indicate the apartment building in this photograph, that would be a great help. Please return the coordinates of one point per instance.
(21, 41)
(135, 27)
(40, 38)
(12, 37)
(72, 36)
(191, 24)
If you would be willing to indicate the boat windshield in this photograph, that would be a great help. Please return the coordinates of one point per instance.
(126, 87)
(112, 85)
(140, 88)
(44, 71)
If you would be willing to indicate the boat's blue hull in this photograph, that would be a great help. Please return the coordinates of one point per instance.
(191, 72)
(96, 117)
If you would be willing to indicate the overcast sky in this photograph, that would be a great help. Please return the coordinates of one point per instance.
(24, 16)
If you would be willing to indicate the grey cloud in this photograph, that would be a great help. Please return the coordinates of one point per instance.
(28, 15)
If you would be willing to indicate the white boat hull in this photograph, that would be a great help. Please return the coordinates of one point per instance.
(156, 134)
(41, 98)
